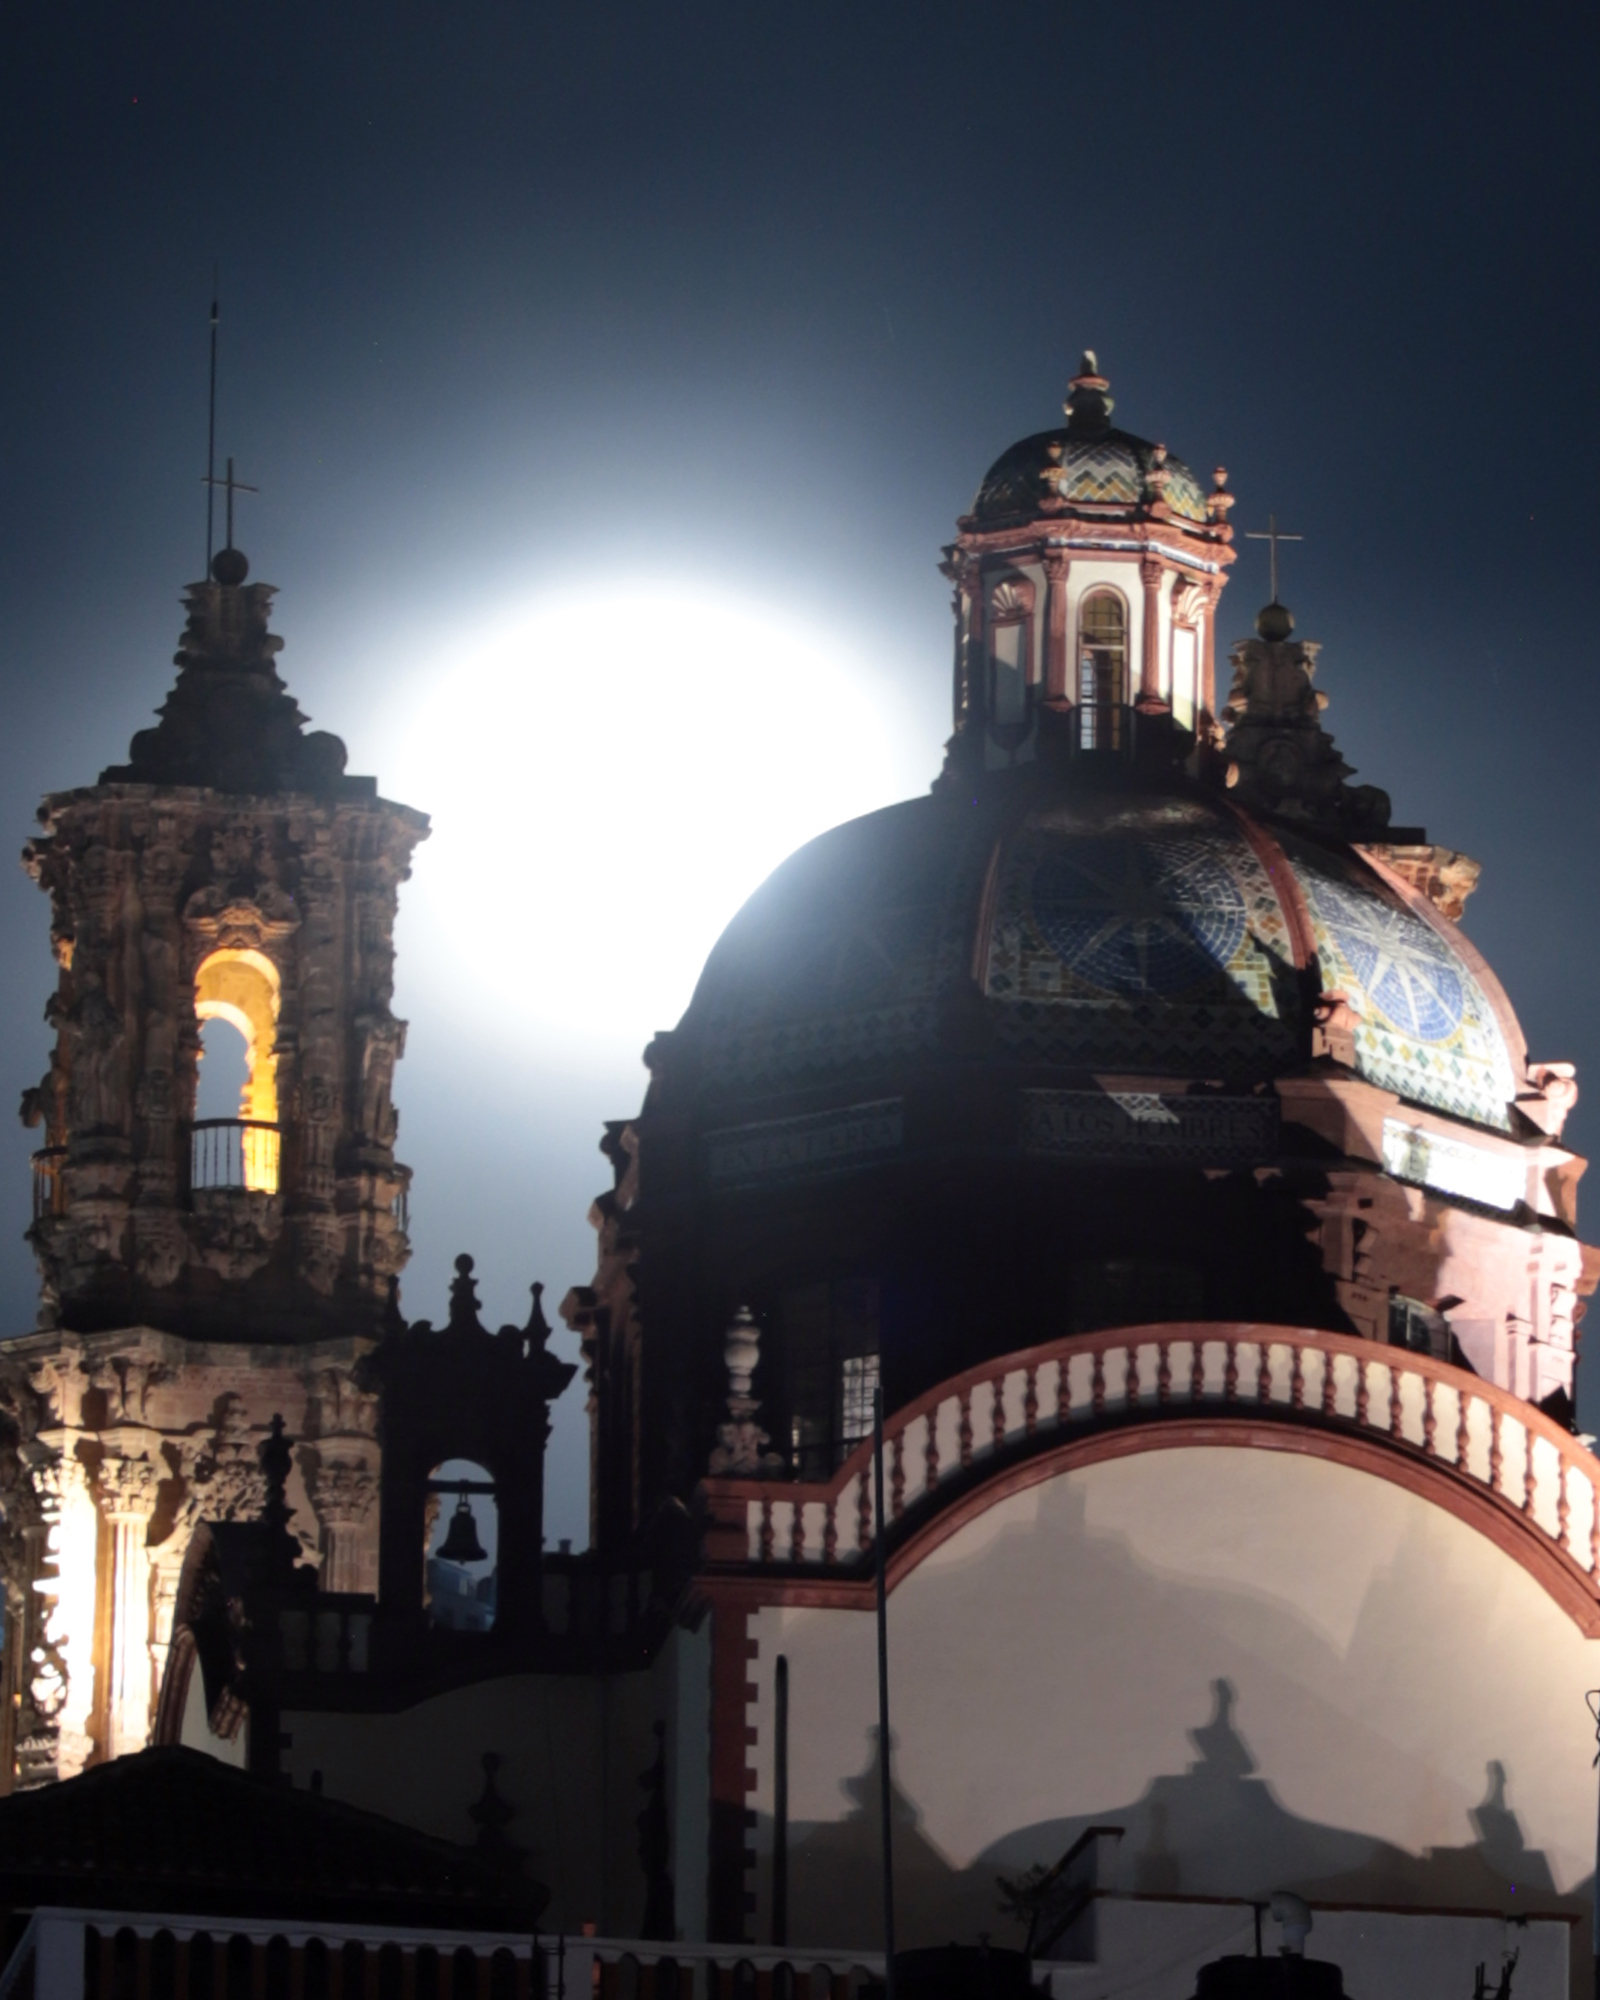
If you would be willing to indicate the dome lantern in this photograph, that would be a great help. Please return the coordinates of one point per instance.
(1087, 577)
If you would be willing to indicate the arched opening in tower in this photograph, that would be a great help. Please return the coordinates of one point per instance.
(461, 1549)
(236, 999)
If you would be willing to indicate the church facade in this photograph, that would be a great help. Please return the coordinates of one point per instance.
(1131, 1115)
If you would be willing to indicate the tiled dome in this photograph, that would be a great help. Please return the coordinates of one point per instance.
(1130, 933)
(1086, 464)
(1110, 469)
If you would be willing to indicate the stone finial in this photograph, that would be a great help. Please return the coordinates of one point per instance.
(229, 723)
(739, 1451)
(464, 1300)
(1088, 405)
(1280, 759)
(1219, 500)
(281, 1551)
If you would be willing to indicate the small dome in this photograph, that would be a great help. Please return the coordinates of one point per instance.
(1134, 934)
(1110, 469)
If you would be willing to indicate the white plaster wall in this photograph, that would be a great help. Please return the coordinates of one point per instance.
(1272, 1670)
(1185, 670)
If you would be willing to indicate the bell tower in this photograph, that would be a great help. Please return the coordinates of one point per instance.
(207, 1282)
(230, 869)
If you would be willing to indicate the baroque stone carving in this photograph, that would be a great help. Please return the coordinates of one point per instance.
(741, 1440)
(231, 830)
(1280, 758)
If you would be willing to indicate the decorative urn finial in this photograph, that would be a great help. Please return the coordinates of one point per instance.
(739, 1450)
(1088, 405)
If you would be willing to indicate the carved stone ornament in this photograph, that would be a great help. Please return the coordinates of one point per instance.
(739, 1452)
(1011, 598)
(1280, 758)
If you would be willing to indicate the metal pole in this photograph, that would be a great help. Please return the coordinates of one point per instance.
(211, 431)
(780, 1808)
(885, 1795)
(1592, 1698)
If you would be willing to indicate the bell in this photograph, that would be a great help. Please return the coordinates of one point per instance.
(461, 1544)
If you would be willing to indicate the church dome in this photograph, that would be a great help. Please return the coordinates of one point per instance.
(1137, 934)
(1112, 469)
(1087, 466)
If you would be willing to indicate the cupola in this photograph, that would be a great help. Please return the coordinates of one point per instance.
(1086, 583)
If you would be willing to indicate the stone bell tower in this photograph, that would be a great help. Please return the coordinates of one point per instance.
(230, 868)
(200, 1277)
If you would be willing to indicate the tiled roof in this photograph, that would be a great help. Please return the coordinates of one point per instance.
(173, 1829)
(1109, 468)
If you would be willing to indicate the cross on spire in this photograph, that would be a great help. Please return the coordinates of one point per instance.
(233, 486)
(1272, 536)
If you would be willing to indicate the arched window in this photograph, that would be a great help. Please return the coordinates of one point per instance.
(1102, 670)
(462, 1548)
(236, 994)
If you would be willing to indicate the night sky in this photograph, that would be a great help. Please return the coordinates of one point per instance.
(523, 298)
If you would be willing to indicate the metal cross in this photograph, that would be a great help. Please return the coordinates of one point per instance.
(1273, 536)
(233, 486)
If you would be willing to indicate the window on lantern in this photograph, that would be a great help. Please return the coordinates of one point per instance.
(1102, 669)
(235, 1145)
(461, 1547)
(830, 1340)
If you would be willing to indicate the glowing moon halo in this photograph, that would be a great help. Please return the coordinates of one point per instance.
(610, 775)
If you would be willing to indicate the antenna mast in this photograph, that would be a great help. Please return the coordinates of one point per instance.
(211, 432)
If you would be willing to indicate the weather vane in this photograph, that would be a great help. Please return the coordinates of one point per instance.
(1273, 535)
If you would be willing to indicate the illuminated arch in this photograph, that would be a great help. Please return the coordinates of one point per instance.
(241, 987)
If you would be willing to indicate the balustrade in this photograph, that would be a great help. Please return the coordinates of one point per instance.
(100, 1955)
(1393, 1397)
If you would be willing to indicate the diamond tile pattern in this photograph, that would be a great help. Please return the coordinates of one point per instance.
(1144, 934)
(1123, 933)
(1108, 470)
(1427, 1030)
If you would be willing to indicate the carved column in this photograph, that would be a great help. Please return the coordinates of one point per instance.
(1056, 688)
(128, 1492)
(1151, 574)
(63, 1684)
(1208, 648)
(979, 678)
(344, 1493)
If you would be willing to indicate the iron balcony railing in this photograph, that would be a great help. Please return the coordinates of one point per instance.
(234, 1153)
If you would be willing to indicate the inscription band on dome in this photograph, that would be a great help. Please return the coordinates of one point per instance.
(1135, 1126)
(790, 1149)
